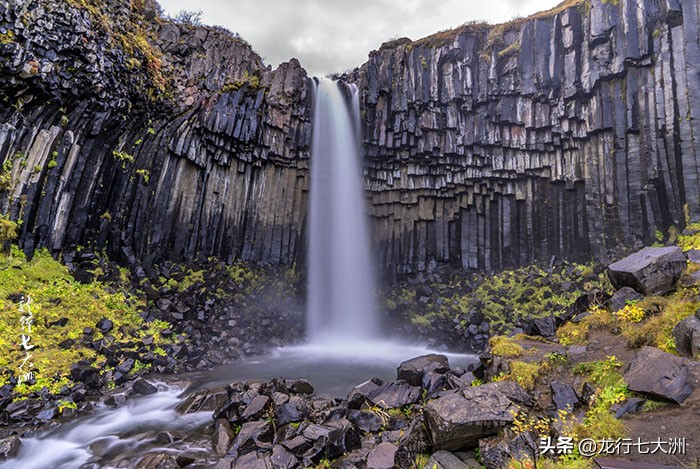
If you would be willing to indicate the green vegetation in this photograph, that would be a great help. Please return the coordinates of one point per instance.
(506, 347)
(8, 231)
(123, 156)
(248, 80)
(145, 175)
(690, 240)
(57, 298)
(523, 373)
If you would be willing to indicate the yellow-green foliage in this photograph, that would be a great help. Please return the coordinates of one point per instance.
(690, 241)
(8, 230)
(630, 313)
(251, 80)
(599, 421)
(529, 292)
(56, 295)
(665, 313)
(420, 321)
(577, 333)
(7, 38)
(506, 347)
(523, 373)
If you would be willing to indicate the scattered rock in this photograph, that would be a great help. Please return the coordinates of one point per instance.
(445, 460)
(143, 387)
(393, 395)
(651, 271)
(661, 375)
(104, 325)
(223, 437)
(630, 406)
(413, 370)
(564, 396)
(621, 297)
(683, 334)
(459, 420)
(9, 447)
(382, 456)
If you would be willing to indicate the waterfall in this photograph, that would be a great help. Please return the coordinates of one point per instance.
(341, 304)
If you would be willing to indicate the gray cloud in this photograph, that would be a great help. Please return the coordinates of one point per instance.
(333, 36)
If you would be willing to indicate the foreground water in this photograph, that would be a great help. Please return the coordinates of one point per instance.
(110, 435)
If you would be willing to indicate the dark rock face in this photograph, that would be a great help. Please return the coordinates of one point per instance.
(413, 370)
(687, 337)
(488, 147)
(561, 136)
(651, 271)
(458, 420)
(660, 375)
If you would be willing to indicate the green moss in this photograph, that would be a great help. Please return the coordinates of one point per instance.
(249, 80)
(56, 295)
(523, 373)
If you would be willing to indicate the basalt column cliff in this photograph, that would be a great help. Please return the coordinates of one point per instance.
(568, 134)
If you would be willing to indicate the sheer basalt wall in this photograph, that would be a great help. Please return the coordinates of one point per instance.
(568, 134)
(154, 140)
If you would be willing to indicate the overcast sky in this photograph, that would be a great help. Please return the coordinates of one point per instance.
(333, 36)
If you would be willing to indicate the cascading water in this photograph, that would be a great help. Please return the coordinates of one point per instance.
(341, 306)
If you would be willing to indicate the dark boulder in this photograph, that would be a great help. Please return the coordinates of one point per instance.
(564, 396)
(9, 447)
(621, 297)
(294, 410)
(497, 452)
(300, 386)
(365, 421)
(281, 458)
(158, 461)
(143, 387)
(358, 396)
(660, 375)
(460, 420)
(252, 437)
(651, 271)
(412, 370)
(223, 437)
(104, 325)
(686, 335)
(206, 400)
(394, 395)
(382, 456)
(445, 460)
(256, 408)
(630, 406)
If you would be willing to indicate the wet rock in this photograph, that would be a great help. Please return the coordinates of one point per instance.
(564, 396)
(294, 410)
(392, 395)
(251, 437)
(253, 460)
(413, 370)
(281, 458)
(207, 400)
(300, 386)
(588, 390)
(256, 408)
(445, 460)
(9, 447)
(358, 395)
(651, 271)
(683, 335)
(48, 414)
(660, 375)
(365, 421)
(459, 420)
(621, 297)
(24, 410)
(382, 456)
(223, 437)
(143, 387)
(158, 461)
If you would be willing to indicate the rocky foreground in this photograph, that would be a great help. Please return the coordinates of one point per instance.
(621, 368)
